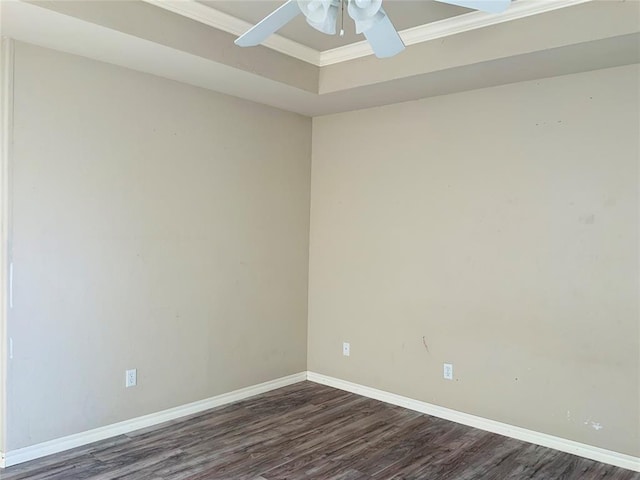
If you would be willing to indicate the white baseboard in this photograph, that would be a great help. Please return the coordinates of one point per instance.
(550, 441)
(32, 452)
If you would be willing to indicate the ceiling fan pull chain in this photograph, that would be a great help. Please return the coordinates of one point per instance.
(342, 17)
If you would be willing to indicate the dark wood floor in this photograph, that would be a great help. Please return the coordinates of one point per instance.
(309, 431)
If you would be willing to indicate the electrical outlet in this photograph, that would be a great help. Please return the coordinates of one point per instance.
(131, 378)
(448, 371)
(346, 349)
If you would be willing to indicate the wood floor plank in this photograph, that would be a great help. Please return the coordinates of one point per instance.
(311, 431)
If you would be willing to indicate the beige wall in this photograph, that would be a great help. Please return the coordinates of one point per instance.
(500, 225)
(156, 226)
(165, 227)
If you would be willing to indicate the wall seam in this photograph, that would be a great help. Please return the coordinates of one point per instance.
(6, 129)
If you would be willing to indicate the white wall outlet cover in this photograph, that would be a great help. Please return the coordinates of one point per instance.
(346, 349)
(131, 378)
(448, 371)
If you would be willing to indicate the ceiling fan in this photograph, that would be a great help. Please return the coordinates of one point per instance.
(370, 18)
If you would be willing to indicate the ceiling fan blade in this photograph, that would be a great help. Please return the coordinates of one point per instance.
(384, 38)
(269, 25)
(489, 6)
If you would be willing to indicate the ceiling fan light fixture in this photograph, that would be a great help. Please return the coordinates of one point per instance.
(321, 14)
(365, 13)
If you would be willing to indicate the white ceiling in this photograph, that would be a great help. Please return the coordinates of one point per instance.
(403, 13)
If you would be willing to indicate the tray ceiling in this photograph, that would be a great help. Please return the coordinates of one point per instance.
(403, 13)
(191, 42)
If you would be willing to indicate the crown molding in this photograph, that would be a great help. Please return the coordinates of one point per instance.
(411, 36)
(449, 26)
(230, 24)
